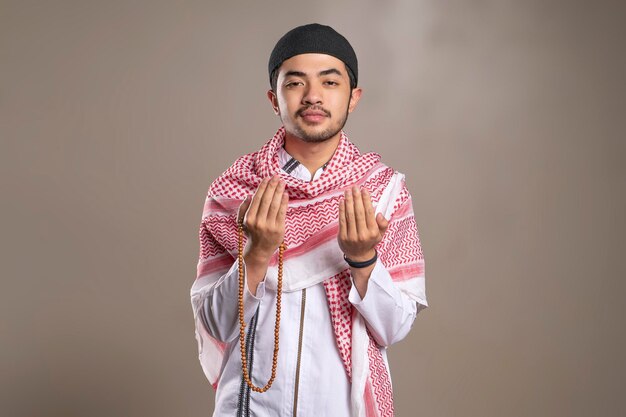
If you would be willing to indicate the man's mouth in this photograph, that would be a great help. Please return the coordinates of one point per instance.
(313, 115)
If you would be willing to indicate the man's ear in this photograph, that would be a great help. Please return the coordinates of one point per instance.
(355, 96)
(271, 95)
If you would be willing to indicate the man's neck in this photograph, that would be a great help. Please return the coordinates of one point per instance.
(311, 155)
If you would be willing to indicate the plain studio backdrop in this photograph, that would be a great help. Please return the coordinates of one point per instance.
(507, 118)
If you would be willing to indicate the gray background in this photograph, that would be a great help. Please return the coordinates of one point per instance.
(506, 116)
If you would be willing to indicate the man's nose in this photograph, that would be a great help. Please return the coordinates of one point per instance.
(312, 94)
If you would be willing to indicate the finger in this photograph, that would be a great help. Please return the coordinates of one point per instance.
(245, 204)
(272, 213)
(383, 223)
(342, 220)
(350, 221)
(359, 210)
(370, 217)
(266, 200)
(256, 199)
(282, 211)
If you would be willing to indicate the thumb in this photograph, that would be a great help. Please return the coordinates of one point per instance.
(382, 223)
(243, 208)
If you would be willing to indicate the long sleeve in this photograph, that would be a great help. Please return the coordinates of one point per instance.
(396, 288)
(388, 312)
(219, 311)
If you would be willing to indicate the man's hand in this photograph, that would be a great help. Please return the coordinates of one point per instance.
(360, 230)
(264, 223)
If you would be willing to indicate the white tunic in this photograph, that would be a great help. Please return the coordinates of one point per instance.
(311, 379)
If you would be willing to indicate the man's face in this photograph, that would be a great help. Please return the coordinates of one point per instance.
(313, 96)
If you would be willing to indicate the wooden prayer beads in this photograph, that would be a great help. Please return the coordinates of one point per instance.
(242, 324)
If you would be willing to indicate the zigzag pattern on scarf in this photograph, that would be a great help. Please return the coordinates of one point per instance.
(209, 246)
(404, 248)
(221, 238)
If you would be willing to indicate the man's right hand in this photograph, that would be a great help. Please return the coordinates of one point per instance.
(264, 223)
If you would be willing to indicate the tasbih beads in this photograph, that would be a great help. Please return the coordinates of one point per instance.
(242, 324)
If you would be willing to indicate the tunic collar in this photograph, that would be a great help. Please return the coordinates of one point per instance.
(295, 168)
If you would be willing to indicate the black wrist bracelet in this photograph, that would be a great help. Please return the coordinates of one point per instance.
(363, 264)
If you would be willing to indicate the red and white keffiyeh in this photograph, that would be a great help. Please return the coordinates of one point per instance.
(311, 239)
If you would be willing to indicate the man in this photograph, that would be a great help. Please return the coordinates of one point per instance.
(350, 272)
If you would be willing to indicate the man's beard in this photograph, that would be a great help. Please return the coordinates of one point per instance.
(318, 137)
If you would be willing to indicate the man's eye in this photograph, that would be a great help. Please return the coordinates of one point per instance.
(332, 83)
(293, 83)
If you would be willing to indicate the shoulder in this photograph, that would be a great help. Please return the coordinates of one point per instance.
(234, 181)
(382, 175)
(388, 189)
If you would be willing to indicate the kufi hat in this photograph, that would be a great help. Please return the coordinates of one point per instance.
(313, 38)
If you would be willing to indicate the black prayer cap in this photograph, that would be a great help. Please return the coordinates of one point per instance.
(313, 38)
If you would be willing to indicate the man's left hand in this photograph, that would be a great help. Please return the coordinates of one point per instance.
(360, 230)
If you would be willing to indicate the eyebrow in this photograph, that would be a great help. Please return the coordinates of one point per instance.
(320, 74)
(330, 71)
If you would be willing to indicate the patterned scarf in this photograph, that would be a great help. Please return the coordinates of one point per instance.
(311, 240)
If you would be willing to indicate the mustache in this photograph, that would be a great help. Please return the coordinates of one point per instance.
(314, 108)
